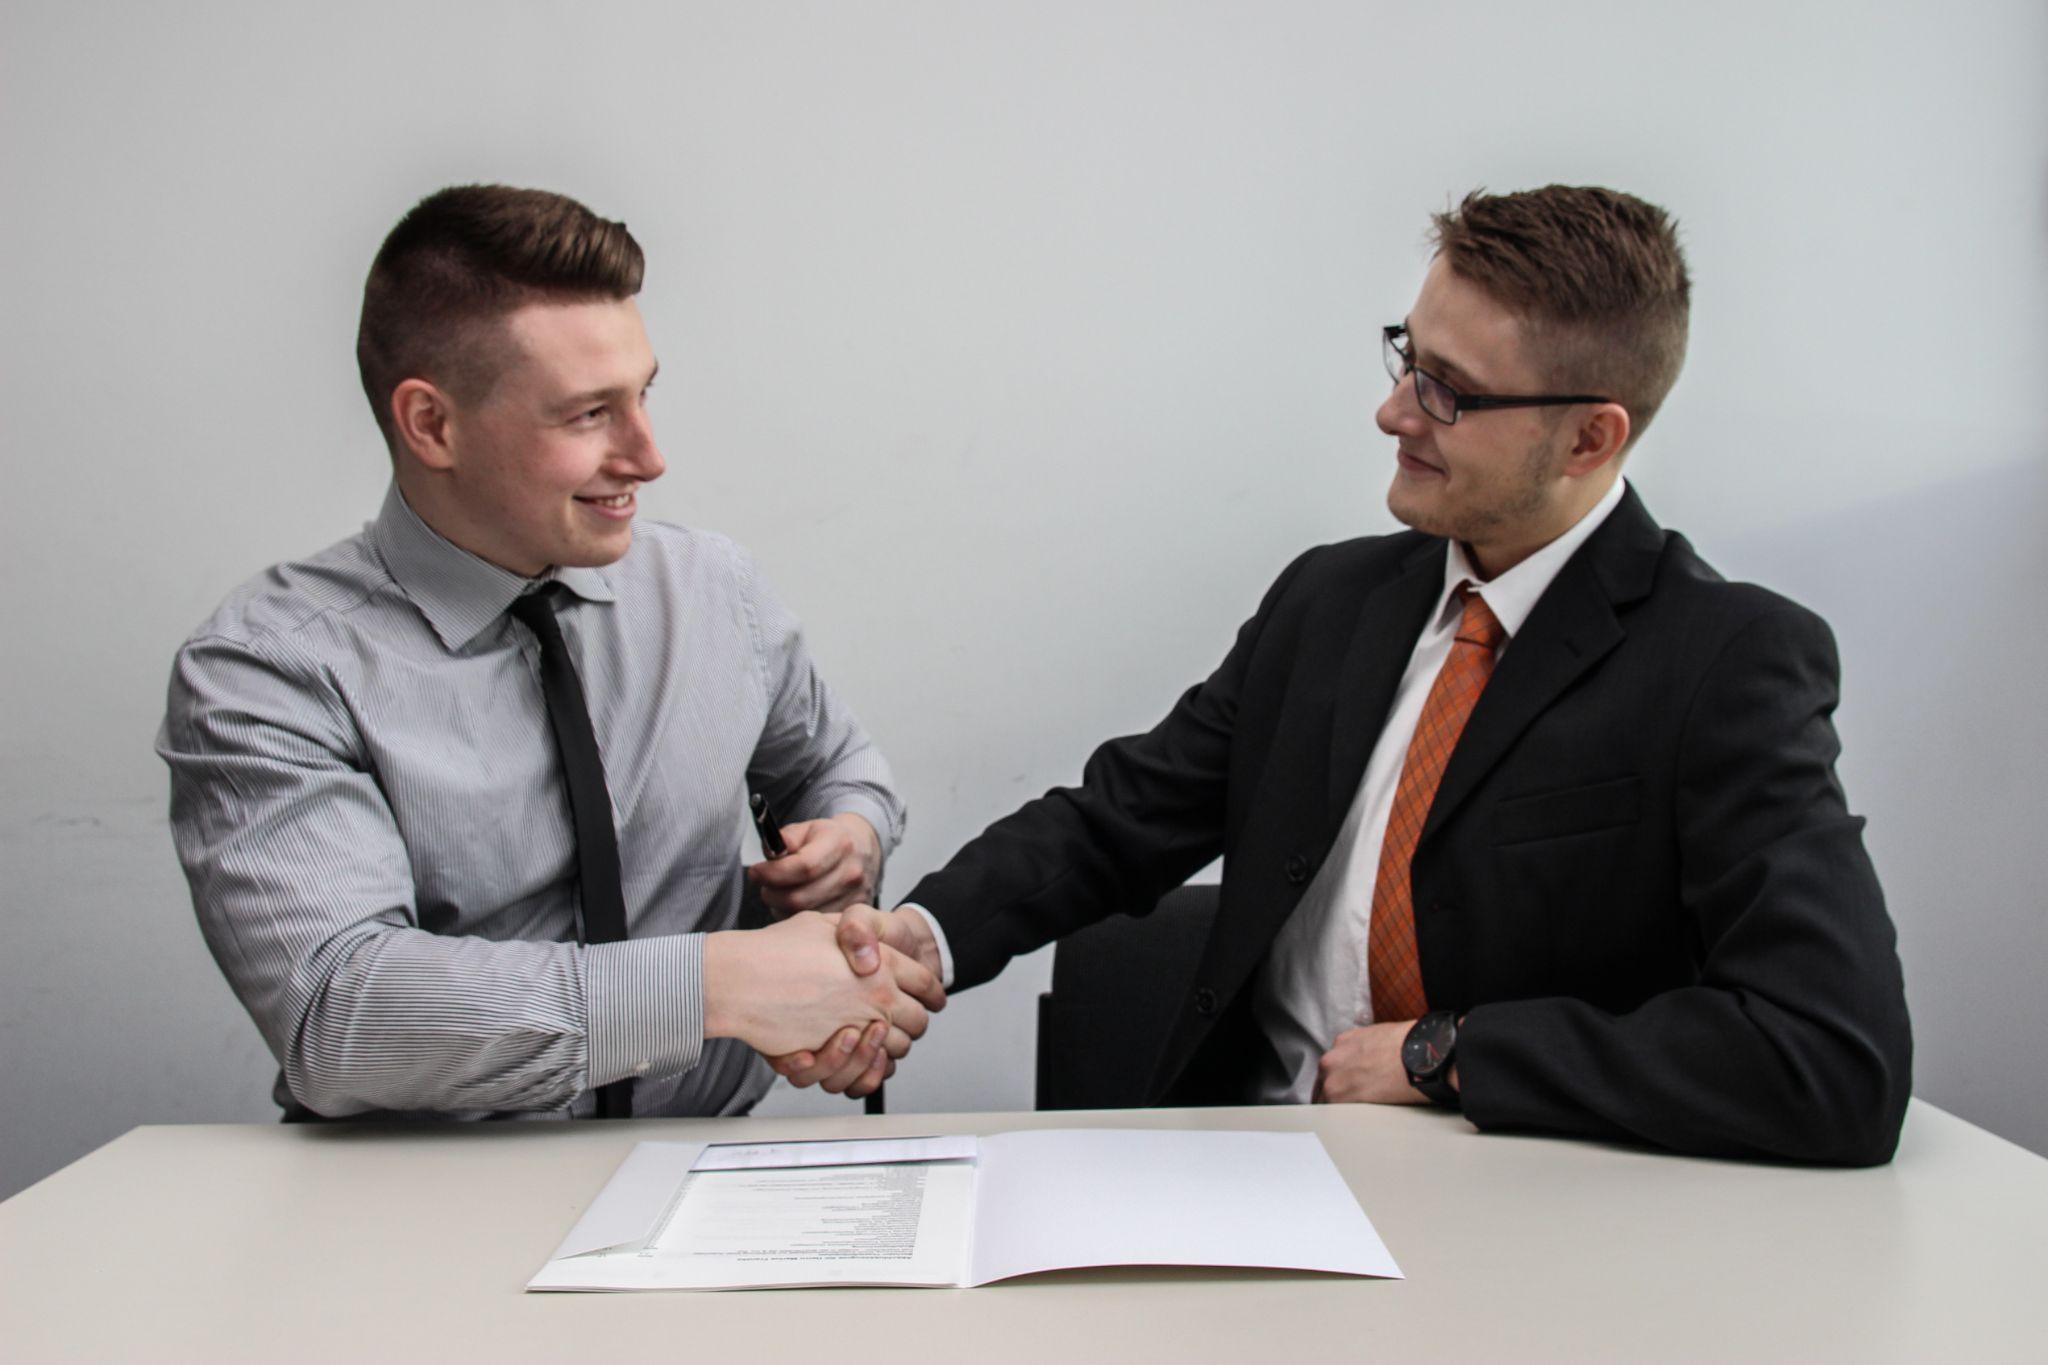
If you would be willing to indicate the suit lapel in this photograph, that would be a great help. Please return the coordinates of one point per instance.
(1381, 644)
(1572, 628)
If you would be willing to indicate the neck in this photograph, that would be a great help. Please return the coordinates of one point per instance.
(1496, 555)
(424, 492)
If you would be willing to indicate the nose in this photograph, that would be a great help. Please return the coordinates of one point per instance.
(1401, 414)
(637, 454)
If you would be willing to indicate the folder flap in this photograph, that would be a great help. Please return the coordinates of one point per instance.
(634, 1201)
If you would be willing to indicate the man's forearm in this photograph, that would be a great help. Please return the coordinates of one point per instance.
(1696, 1070)
(396, 1018)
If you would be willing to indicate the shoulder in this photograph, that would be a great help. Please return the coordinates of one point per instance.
(292, 608)
(1367, 555)
(1692, 597)
(671, 556)
(272, 652)
(1348, 567)
(1723, 652)
(698, 587)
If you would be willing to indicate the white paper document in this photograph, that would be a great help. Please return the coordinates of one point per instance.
(962, 1211)
(734, 1156)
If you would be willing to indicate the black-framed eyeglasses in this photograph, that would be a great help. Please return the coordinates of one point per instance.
(1443, 402)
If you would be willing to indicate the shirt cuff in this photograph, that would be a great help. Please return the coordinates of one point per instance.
(875, 813)
(938, 936)
(645, 1003)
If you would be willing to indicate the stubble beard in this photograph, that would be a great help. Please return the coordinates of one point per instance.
(1521, 501)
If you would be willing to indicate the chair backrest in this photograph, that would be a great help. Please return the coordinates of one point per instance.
(1117, 987)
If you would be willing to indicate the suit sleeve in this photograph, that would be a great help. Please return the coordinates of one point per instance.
(1149, 813)
(1794, 1041)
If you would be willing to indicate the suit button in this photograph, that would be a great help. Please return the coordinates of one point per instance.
(1205, 1000)
(1297, 870)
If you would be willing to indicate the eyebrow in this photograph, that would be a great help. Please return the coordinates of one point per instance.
(577, 401)
(1441, 364)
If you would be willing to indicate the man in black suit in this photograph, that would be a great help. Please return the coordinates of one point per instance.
(1524, 810)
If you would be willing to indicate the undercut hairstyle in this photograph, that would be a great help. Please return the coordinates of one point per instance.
(463, 258)
(1597, 278)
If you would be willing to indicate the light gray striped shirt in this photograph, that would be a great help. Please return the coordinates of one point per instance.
(369, 806)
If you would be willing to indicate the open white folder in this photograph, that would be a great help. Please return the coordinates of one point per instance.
(962, 1211)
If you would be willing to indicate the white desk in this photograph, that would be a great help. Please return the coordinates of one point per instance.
(271, 1243)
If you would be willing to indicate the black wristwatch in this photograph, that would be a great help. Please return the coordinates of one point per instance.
(1427, 1053)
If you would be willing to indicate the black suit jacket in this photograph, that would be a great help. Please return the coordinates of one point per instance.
(1639, 877)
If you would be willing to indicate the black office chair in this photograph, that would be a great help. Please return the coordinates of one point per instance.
(1117, 987)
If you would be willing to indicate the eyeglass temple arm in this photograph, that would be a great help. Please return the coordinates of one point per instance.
(1474, 402)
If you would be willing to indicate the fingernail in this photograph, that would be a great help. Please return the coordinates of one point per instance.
(864, 956)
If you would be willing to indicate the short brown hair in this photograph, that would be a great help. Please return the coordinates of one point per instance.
(1597, 276)
(459, 261)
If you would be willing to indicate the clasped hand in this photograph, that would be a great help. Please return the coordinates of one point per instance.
(829, 866)
(847, 1062)
(783, 988)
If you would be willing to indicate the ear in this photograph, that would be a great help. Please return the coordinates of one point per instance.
(421, 415)
(1601, 434)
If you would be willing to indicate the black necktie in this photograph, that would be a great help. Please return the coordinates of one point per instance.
(590, 805)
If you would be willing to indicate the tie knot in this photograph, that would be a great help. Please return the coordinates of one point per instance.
(536, 609)
(1478, 626)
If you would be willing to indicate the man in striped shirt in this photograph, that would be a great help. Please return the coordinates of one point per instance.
(365, 791)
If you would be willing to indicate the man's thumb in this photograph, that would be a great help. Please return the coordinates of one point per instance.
(859, 941)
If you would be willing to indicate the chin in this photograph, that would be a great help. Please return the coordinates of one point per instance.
(597, 554)
(1415, 513)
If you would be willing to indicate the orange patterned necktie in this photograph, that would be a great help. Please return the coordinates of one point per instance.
(1392, 968)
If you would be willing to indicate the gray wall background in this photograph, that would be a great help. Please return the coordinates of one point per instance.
(1023, 343)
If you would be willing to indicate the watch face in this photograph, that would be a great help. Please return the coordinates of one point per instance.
(1428, 1045)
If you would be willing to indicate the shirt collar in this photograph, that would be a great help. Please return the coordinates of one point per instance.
(1511, 596)
(459, 593)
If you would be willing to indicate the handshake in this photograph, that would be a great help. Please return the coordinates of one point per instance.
(864, 982)
(835, 993)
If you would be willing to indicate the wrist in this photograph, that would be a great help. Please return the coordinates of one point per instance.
(924, 940)
(726, 954)
(868, 847)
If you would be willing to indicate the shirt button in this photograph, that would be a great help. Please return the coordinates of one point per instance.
(1205, 1001)
(1297, 870)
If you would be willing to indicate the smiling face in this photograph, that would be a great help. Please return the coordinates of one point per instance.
(1508, 481)
(542, 468)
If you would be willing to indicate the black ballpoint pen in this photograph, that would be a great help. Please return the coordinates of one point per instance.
(766, 825)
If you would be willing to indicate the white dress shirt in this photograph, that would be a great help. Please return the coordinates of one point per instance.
(1313, 985)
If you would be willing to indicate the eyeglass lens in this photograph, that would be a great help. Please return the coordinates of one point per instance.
(1437, 398)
